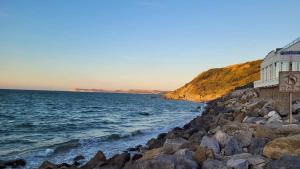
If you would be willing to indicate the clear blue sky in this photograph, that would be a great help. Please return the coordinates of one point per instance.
(140, 44)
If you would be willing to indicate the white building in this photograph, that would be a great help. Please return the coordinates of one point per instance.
(276, 61)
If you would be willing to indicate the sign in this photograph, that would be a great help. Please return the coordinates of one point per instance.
(289, 81)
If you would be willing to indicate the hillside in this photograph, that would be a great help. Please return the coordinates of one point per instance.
(217, 82)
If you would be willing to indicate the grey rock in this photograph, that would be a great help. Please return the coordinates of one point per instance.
(285, 162)
(257, 145)
(244, 138)
(186, 153)
(213, 164)
(165, 162)
(255, 120)
(232, 147)
(238, 163)
(211, 142)
(173, 145)
(222, 137)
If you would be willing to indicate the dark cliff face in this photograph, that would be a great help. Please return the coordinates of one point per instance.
(217, 82)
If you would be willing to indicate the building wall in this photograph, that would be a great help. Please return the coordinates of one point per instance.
(282, 98)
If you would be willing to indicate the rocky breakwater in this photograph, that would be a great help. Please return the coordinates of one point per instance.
(237, 131)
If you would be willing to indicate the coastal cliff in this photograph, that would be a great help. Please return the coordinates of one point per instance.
(217, 82)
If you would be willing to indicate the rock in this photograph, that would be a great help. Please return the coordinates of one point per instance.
(276, 131)
(296, 108)
(173, 145)
(158, 142)
(136, 157)
(47, 165)
(232, 147)
(255, 120)
(186, 153)
(175, 133)
(238, 164)
(197, 137)
(286, 162)
(202, 154)
(213, 164)
(212, 143)
(253, 109)
(240, 117)
(151, 154)
(257, 145)
(255, 161)
(273, 116)
(222, 137)
(117, 161)
(282, 146)
(78, 160)
(165, 162)
(14, 163)
(98, 160)
(244, 138)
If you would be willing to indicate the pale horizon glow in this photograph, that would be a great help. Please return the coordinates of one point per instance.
(134, 44)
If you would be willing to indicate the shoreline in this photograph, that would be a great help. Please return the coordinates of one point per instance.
(240, 130)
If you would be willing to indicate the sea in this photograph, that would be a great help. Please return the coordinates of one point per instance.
(57, 126)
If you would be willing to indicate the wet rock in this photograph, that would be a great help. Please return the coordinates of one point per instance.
(173, 145)
(282, 146)
(165, 162)
(213, 164)
(285, 162)
(116, 162)
(257, 145)
(296, 108)
(197, 137)
(232, 147)
(157, 142)
(47, 165)
(13, 163)
(98, 160)
(212, 143)
(175, 133)
(136, 157)
(78, 160)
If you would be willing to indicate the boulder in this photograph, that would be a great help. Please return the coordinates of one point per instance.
(186, 153)
(212, 143)
(13, 163)
(157, 142)
(244, 138)
(136, 157)
(213, 164)
(197, 137)
(285, 162)
(151, 154)
(296, 108)
(222, 137)
(78, 160)
(276, 131)
(274, 117)
(282, 146)
(232, 147)
(246, 160)
(47, 165)
(257, 145)
(255, 120)
(117, 161)
(98, 160)
(165, 162)
(202, 154)
(173, 145)
(238, 164)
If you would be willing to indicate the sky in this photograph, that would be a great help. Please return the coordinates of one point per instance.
(135, 44)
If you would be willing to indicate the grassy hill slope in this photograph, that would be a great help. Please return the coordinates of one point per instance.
(217, 82)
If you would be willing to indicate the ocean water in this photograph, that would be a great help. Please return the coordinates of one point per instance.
(57, 126)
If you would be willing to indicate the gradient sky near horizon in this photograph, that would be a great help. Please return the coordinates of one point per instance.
(134, 44)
